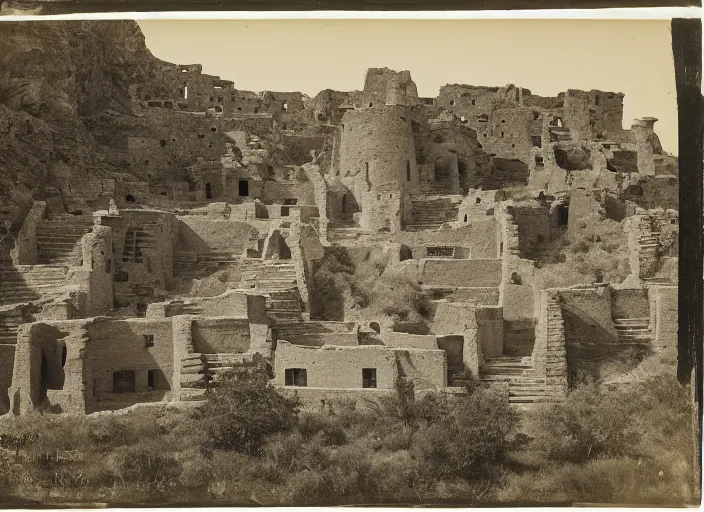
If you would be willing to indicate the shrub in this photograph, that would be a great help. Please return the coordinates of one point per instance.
(472, 440)
(240, 414)
(590, 422)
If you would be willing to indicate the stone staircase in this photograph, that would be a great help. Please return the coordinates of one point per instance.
(560, 134)
(9, 323)
(197, 265)
(27, 283)
(194, 378)
(431, 213)
(633, 330)
(137, 239)
(518, 375)
(58, 238)
(303, 332)
(277, 279)
(342, 232)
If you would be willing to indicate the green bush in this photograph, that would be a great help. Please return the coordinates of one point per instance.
(591, 422)
(472, 440)
(240, 414)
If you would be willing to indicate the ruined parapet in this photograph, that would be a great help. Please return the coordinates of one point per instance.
(386, 86)
(26, 247)
(647, 145)
(652, 235)
(98, 264)
(590, 114)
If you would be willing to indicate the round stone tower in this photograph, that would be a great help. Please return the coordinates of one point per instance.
(377, 162)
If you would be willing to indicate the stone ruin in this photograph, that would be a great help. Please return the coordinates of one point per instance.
(144, 287)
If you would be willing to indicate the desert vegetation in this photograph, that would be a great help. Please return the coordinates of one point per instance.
(249, 445)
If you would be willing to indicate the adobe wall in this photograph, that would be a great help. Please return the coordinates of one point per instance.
(7, 363)
(116, 345)
(490, 325)
(630, 303)
(591, 113)
(203, 236)
(142, 251)
(588, 315)
(469, 102)
(664, 309)
(376, 152)
(61, 386)
(463, 273)
(221, 335)
(98, 263)
(462, 318)
(534, 225)
(91, 193)
(583, 203)
(480, 236)
(511, 131)
(404, 340)
(341, 367)
(275, 192)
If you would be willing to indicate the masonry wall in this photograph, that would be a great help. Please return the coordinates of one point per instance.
(467, 273)
(7, 362)
(341, 367)
(203, 236)
(117, 345)
(665, 305)
(221, 335)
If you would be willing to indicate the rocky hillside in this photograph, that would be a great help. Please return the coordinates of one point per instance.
(54, 76)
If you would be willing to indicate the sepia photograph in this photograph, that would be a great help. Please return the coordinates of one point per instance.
(327, 262)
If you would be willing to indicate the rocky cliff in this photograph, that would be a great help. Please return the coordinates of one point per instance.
(54, 77)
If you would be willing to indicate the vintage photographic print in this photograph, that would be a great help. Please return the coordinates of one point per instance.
(342, 262)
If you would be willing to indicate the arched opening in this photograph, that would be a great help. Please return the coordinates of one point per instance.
(129, 198)
(478, 200)
(374, 326)
(563, 213)
(465, 217)
(405, 253)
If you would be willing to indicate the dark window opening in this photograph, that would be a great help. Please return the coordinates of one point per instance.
(123, 381)
(370, 103)
(129, 198)
(405, 253)
(474, 102)
(148, 340)
(478, 200)
(515, 278)
(344, 204)
(208, 191)
(465, 217)
(501, 249)
(201, 135)
(243, 188)
(284, 126)
(539, 161)
(368, 377)
(408, 170)
(452, 102)
(290, 202)
(296, 377)
(537, 115)
(213, 129)
(441, 252)
(162, 142)
(366, 168)
(483, 118)
(141, 310)
(63, 356)
(503, 120)
(151, 380)
(537, 141)
(285, 210)
(502, 135)
(562, 215)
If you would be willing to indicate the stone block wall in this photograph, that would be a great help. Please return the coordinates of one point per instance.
(461, 273)
(221, 335)
(549, 352)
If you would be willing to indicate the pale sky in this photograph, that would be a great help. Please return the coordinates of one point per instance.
(545, 56)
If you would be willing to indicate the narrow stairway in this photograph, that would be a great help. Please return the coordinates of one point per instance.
(58, 238)
(633, 330)
(431, 214)
(517, 372)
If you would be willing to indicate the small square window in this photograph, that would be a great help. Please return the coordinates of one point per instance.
(148, 340)
(296, 377)
(368, 377)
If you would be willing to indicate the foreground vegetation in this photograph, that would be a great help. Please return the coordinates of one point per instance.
(249, 445)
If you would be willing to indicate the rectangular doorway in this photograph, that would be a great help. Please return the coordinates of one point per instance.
(244, 188)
